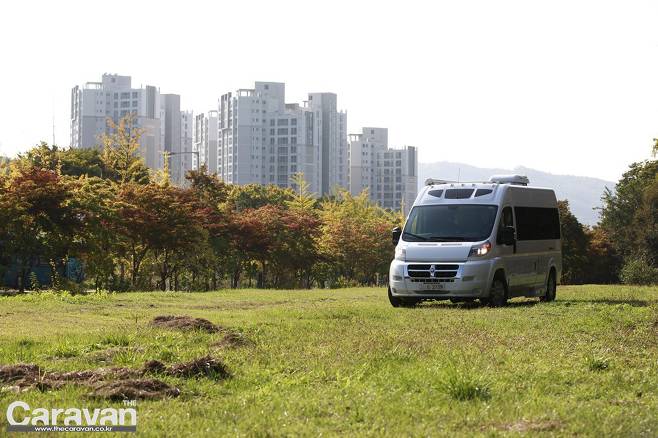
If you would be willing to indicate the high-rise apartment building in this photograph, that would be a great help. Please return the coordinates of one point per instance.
(157, 115)
(263, 140)
(205, 139)
(187, 156)
(113, 98)
(170, 122)
(390, 175)
(332, 126)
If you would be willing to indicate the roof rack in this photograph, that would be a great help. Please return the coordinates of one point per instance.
(519, 180)
(433, 181)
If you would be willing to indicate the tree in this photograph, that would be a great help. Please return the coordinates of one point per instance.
(618, 215)
(574, 246)
(302, 198)
(99, 243)
(39, 220)
(603, 262)
(4, 166)
(84, 161)
(211, 194)
(354, 238)
(158, 221)
(120, 152)
(254, 196)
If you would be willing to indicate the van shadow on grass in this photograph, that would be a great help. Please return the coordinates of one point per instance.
(610, 302)
(471, 305)
(445, 304)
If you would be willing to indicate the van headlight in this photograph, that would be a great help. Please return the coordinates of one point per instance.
(400, 254)
(480, 250)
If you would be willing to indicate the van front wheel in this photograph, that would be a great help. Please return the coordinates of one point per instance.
(498, 293)
(401, 302)
(395, 301)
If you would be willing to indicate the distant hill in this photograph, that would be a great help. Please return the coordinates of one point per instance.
(584, 193)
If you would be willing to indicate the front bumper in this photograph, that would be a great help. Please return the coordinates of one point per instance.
(472, 280)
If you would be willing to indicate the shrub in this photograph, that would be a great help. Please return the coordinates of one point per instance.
(597, 363)
(462, 385)
(64, 350)
(639, 270)
(34, 281)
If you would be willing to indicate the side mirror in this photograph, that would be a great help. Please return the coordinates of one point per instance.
(395, 235)
(507, 236)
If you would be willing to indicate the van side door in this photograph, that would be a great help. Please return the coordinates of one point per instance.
(508, 252)
(527, 248)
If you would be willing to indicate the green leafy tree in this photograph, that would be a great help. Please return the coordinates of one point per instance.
(83, 162)
(120, 152)
(575, 245)
(620, 208)
(99, 243)
(355, 239)
(303, 199)
(158, 221)
(39, 220)
(254, 196)
(603, 261)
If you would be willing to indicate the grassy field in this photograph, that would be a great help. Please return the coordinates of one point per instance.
(330, 362)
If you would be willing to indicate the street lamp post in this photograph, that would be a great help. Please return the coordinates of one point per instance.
(198, 155)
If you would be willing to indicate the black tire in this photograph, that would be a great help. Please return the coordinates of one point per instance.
(410, 302)
(395, 301)
(401, 302)
(551, 288)
(498, 292)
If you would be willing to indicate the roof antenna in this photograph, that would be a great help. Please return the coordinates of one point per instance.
(459, 173)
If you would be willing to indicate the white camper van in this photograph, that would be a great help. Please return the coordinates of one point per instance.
(483, 240)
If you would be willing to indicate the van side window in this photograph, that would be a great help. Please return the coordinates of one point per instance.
(507, 218)
(535, 223)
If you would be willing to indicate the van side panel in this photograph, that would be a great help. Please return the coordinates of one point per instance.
(539, 254)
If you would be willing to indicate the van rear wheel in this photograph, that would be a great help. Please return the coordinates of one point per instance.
(551, 288)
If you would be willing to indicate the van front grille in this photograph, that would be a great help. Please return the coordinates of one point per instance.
(436, 270)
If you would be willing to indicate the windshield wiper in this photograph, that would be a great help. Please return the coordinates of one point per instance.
(448, 239)
(414, 235)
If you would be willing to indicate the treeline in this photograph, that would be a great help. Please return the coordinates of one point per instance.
(133, 230)
(623, 246)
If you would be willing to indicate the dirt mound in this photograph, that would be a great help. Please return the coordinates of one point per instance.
(232, 339)
(13, 373)
(184, 323)
(111, 381)
(133, 389)
(203, 367)
(154, 366)
(22, 377)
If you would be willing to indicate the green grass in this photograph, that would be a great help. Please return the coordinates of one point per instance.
(343, 362)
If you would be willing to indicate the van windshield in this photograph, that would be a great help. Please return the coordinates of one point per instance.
(450, 223)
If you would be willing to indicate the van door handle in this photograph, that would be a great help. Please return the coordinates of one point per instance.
(550, 248)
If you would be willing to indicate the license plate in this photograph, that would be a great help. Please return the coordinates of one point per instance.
(433, 286)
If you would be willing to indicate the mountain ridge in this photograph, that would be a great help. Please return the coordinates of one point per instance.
(583, 192)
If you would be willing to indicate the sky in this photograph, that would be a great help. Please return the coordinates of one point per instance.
(568, 87)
